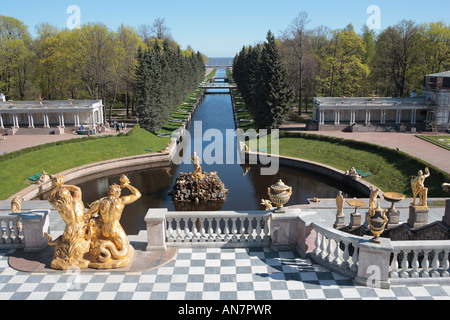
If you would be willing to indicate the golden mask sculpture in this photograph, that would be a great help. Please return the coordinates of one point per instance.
(94, 238)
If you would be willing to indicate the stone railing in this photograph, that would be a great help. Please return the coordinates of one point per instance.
(207, 229)
(24, 230)
(420, 262)
(11, 232)
(336, 250)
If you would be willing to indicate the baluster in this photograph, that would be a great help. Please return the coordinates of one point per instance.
(425, 264)
(202, 230)
(242, 238)
(178, 228)
(266, 231)
(404, 264)
(324, 246)
(218, 230)
(187, 236)
(355, 258)
(227, 230)
(170, 237)
(445, 264)
(8, 232)
(435, 265)
(234, 229)
(415, 265)
(16, 231)
(330, 256)
(337, 254)
(258, 228)
(250, 229)
(394, 266)
(346, 256)
(318, 244)
(210, 230)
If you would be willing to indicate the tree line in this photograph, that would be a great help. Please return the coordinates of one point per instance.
(164, 79)
(92, 62)
(343, 62)
(262, 81)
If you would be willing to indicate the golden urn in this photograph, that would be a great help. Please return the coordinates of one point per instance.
(279, 194)
(377, 223)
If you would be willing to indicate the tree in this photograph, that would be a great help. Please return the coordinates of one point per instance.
(344, 70)
(434, 45)
(296, 39)
(15, 54)
(274, 97)
(396, 60)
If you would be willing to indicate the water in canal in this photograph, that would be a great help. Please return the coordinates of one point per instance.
(245, 183)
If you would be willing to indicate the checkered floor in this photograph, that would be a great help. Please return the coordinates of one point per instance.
(205, 274)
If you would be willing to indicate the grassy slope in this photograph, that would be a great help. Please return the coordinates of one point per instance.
(14, 172)
(391, 170)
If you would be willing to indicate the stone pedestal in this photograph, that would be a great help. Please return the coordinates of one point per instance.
(373, 265)
(340, 222)
(394, 218)
(355, 220)
(284, 230)
(12, 131)
(156, 229)
(418, 216)
(59, 130)
(446, 218)
(35, 224)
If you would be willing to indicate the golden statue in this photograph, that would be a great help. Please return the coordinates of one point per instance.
(373, 200)
(110, 247)
(418, 188)
(74, 242)
(267, 204)
(197, 174)
(16, 205)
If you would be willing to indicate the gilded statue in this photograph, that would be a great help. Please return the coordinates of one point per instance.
(110, 247)
(16, 205)
(74, 243)
(373, 200)
(197, 167)
(267, 204)
(418, 188)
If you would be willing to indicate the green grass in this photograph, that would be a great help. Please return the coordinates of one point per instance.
(55, 159)
(441, 141)
(392, 170)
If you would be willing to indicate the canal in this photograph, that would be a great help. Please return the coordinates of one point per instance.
(245, 183)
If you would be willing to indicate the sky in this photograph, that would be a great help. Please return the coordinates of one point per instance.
(220, 28)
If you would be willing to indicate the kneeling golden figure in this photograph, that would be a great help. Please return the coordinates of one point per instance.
(110, 247)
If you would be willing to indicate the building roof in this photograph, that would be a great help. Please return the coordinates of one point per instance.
(49, 105)
(444, 74)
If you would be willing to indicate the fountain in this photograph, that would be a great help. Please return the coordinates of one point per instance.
(198, 187)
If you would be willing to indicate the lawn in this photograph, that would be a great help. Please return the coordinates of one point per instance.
(55, 159)
(441, 141)
(392, 170)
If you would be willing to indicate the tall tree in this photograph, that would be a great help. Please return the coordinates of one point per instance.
(274, 97)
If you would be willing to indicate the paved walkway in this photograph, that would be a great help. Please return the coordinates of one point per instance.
(405, 142)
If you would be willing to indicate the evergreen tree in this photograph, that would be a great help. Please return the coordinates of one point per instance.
(274, 97)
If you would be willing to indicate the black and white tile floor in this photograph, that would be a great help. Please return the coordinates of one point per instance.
(206, 274)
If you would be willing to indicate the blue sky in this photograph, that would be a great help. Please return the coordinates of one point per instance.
(221, 28)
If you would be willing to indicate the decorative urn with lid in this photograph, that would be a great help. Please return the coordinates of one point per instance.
(279, 194)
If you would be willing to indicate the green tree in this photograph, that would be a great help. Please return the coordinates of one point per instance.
(15, 55)
(274, 96)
